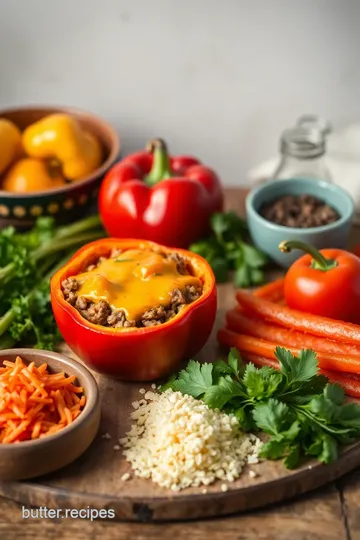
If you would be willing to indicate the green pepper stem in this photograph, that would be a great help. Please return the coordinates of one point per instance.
(83, 225)
(319, 261)
(65, 243)
(160, 169)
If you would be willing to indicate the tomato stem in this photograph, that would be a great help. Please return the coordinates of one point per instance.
(160, 169)
(319, 262)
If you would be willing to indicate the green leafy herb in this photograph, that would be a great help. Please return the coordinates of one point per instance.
(227, 250)
(28, 261)
(300, 411)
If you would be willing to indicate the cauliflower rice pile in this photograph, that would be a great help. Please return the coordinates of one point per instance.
(178, 442)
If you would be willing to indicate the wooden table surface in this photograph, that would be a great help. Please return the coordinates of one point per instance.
(329, 513)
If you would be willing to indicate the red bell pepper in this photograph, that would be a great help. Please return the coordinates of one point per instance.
(136, 354)
(325, 282)
(156, 197)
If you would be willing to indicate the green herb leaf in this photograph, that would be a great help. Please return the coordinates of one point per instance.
(245, 419)
(315, 447)
(194, 380)
(324, 408)
(273, 449)
(256, 276)
(272, 416)
(293, 457)
(235, 361)
(261, 383)
(221, 368)
(253, 257)
(335, 393)
(221, 269)
(349, 415)
(225, 390)
(227, 222)
(329, 450)
(242, 276)
(298, 369)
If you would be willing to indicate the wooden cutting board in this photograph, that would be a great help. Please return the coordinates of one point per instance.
(94, 480)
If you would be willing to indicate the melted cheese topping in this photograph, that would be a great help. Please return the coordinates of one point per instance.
(135, 281)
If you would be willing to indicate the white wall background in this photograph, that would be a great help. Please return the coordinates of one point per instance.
(216, 78)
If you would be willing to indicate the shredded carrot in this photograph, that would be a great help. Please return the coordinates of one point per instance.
(35, 403)
(42, 368)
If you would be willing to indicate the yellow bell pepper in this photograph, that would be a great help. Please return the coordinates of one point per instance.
(10, 143)
(61, 137)
(30, 174)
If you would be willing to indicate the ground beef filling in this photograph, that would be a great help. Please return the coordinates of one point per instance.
(302, 211)
(104, 314)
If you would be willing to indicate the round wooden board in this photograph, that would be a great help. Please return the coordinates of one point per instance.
(94, 479)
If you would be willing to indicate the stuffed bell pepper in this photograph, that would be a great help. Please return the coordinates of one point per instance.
(158, 197)
(134, 309)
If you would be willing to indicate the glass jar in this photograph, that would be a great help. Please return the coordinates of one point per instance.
(303, 150)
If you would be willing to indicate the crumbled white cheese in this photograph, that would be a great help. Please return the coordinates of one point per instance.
(116, 447)
(179, 442)
(106, 436)
(125, 477)
(142, 390)
(224, 487)
(253, 474)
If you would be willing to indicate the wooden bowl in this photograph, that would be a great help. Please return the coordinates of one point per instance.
(29, 459)
(69, 202)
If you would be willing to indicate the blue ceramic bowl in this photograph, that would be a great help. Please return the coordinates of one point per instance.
(267, 235)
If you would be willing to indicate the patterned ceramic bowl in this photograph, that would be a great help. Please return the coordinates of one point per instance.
(69, 202)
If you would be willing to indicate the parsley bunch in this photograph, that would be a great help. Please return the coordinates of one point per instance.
(303, 414)
(28, 260)
(226, 250)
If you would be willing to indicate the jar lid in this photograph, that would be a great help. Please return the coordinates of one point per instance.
(302, 142)
(315, 121)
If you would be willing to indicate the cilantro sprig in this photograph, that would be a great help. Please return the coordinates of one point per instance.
(226, 250)
(301, 412)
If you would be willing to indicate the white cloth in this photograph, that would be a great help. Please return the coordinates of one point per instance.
(342, 160)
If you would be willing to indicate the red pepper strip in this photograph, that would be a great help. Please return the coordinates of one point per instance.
(242, 324)
(249, 344)
(273, 291)
(137, 354)
(325, 283)
(293, 319)
(350, 384)
(260, 361)
(152, 196)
